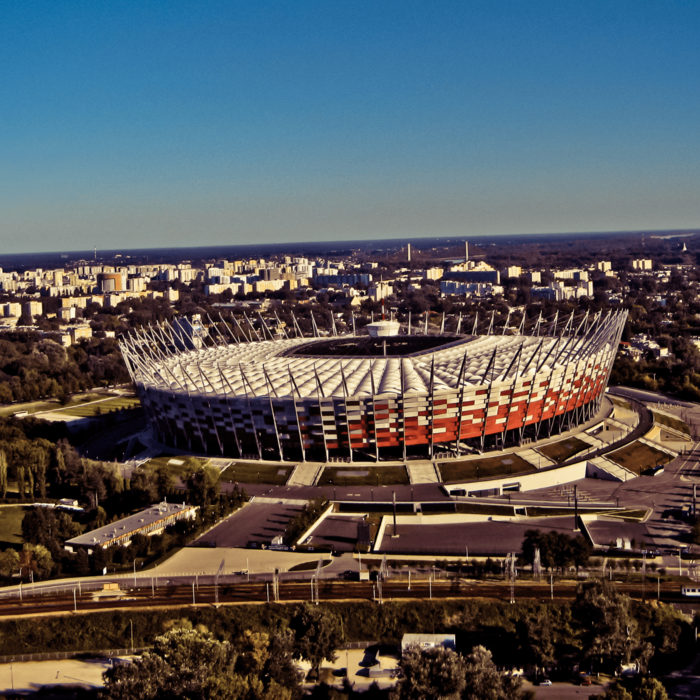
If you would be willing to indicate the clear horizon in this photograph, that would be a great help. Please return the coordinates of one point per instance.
(182, 124)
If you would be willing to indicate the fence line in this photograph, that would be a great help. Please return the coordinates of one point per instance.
(61, 655)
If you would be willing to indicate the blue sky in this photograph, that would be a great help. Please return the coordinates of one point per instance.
(144, 124)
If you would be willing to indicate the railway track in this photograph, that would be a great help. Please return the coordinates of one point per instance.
(301, 591)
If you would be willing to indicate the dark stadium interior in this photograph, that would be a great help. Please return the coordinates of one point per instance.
(366, 346)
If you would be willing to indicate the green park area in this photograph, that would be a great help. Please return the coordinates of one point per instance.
(671, 422)
(488, 468)
(638, 457)
(98, 408)
(33, 407)
(366, 476)
(242, 473)
(176, 465)
(11, 525)
(563, 450)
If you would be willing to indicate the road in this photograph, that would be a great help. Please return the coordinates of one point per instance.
(650, 396)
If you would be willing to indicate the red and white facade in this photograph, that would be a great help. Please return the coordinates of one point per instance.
(260, 400)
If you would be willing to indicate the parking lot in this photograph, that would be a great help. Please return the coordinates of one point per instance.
(256, 522)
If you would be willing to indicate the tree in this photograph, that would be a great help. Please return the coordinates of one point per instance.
(445, 674)
(436, 672)
(537, 639)
(3, 474)
(317, 635)
(614, 692)
(192, 664)
(202, 485)
(36, 558)
(9, 561)
(484, 682)
(607, 627)
(644, 689)
(649, 689)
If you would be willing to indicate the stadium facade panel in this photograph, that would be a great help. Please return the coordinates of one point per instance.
(310, 399)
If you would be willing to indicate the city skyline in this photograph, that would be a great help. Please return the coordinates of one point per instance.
(145, 126)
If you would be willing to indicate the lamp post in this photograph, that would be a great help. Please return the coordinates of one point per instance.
(131, 623)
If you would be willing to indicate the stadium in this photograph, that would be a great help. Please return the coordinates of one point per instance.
(363, 398)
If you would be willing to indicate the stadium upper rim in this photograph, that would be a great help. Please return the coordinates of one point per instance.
(166, 358)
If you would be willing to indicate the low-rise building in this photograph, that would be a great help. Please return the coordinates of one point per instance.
(151, 521)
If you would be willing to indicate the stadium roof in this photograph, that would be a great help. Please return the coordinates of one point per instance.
(270, 368)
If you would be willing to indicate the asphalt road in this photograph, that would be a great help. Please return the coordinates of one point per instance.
(642, 395)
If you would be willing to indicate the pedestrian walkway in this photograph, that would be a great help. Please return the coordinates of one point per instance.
(305, 475)
(591, 440)
(614, 470)
(537, 459)
(422, 472)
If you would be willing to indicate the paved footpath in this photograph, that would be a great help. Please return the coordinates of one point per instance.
(30, 676)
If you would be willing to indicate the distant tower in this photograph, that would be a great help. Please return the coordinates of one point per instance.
(684, 248)
(95, 252)
(409, 252)
(466, 251)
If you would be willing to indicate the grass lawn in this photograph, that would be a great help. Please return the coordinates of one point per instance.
(33, 407)
(51, 404)
(638, 457)
(488, 468)
(620, 403)
(365, 476)
(670, 422)
(256, 474)
(177, 470)
(563, 450)
(11, 524)
(102, 407)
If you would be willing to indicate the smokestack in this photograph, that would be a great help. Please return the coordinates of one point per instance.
(409, 252)
(466, 251)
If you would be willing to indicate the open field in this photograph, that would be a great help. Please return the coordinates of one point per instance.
(487, 468)
(256, 474)
(75, 403)
(671, 422)
(638, 457)
(101, 407)
(32, 407)
(170, 463)
(11, 524)
(563, 450)
(367, 476)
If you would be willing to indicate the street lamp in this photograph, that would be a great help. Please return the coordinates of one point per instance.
(131, 623)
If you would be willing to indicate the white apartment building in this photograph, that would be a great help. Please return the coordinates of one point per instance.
(433, 273)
